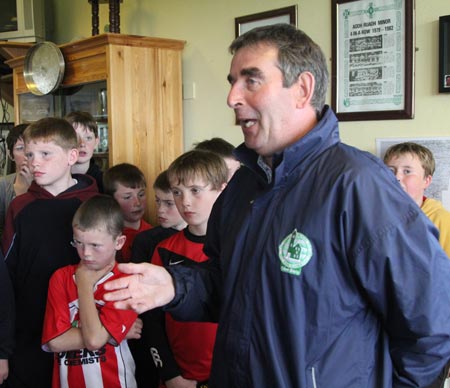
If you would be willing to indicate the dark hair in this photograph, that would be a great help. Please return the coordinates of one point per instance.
(100, 211)
(424, 155)
(126, 174)
(199, 164)
(52, 129)
(162, 182)
(83, 118)
(297, 53)
(216, 145)
(15, 133)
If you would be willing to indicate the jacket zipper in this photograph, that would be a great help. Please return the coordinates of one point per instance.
(313, 375)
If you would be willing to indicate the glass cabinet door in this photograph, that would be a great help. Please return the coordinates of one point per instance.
(90, 98)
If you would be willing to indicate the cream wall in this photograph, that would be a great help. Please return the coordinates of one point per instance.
(208, 28)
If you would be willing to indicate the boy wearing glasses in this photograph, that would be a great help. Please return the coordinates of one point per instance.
(87, 334)
(87, 132)
(35, 240)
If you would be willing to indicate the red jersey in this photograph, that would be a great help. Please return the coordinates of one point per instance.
(111, 366)
(191, 343)
(124, 255)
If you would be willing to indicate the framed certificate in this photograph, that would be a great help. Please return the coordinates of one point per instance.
(373, 59)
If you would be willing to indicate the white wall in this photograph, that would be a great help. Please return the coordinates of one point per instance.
(208, 28)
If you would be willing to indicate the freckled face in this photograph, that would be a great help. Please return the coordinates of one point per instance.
(411, 175)
(167, 212)
(131, 201)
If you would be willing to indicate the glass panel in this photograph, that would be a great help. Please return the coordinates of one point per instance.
(87, 98)
(33, 108)
(8, 15)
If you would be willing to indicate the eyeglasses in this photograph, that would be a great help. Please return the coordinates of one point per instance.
(79, 245)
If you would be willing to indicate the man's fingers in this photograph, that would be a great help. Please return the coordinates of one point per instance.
(120, 295)
(130, 268)
(116, 284)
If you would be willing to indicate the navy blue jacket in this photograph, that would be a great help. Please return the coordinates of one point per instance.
(329, 276)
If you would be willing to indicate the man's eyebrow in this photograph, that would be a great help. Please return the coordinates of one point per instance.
(251, 71)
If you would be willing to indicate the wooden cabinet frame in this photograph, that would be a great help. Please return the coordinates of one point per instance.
(144, 90)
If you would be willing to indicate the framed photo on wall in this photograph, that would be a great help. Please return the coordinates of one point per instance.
(373, 59)
(286, 15)
(444, 54)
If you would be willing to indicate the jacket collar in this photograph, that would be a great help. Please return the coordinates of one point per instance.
(323, 136)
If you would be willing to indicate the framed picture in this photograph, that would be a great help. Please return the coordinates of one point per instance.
(444, 54)
(373, 59)
(286, 15)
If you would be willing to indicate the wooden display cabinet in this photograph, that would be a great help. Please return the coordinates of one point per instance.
(142, 82)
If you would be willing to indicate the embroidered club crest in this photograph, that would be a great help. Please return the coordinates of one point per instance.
(294, 252)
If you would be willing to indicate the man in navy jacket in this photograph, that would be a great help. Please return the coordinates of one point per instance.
(322, 271)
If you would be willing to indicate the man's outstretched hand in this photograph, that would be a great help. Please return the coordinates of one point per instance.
(148, 286)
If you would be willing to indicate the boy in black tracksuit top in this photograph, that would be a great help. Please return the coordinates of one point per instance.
(36, 240)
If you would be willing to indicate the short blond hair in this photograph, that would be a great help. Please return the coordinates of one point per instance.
(199, 164)
(424, 155)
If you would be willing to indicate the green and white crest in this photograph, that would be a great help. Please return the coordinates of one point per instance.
(294, 252)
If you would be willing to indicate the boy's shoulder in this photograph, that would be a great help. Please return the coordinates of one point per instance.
(181, 247)
(155, 234)
(435, 210)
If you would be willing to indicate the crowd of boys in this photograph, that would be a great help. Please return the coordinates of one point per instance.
(63, 333)
(66, 225)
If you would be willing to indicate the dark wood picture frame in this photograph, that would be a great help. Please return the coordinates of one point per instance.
(444, 54)
(280, 15)
(406, 111)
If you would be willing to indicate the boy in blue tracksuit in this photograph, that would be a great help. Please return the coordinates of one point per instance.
(322, 271)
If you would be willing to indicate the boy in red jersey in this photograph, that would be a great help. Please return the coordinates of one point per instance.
(87, 334)
(196, 178)
(127, 185)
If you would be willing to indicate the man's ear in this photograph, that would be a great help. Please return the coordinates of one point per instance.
(305, 89)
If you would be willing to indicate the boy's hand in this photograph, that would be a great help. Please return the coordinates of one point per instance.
(135, 330)
(4, 370)
(88, 276)
(180, 382)
(23, 179)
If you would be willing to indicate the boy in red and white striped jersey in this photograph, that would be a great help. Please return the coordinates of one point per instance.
(87, 334)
